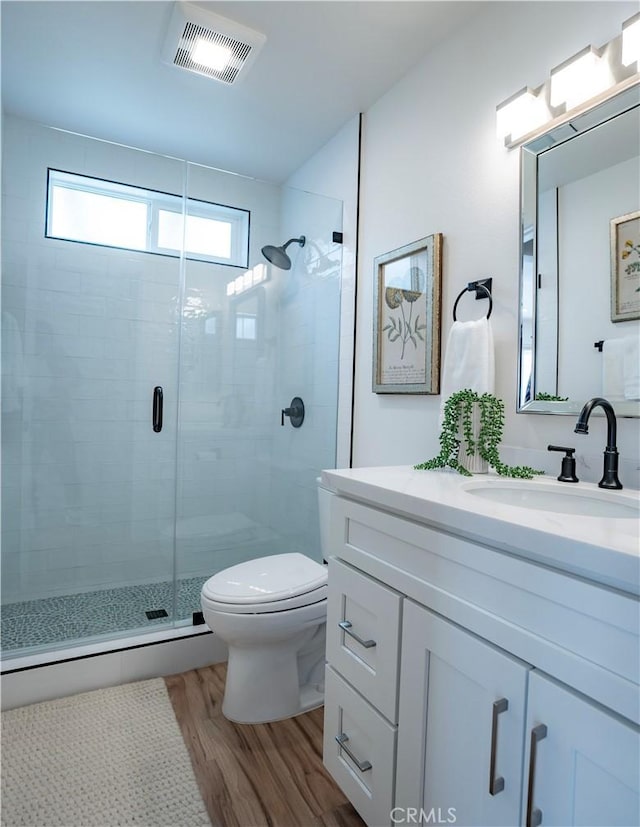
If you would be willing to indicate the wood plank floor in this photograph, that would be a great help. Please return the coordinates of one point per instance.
(262, 775)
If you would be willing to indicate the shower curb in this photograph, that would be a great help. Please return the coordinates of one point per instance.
(82, 671)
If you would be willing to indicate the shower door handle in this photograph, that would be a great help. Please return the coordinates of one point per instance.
(157, 409)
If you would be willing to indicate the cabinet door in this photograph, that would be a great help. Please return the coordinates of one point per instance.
(582, 763)
(461, 725)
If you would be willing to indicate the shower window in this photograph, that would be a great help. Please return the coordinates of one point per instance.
(110, 214)
(205, 236)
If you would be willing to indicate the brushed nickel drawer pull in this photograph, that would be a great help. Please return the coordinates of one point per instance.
(345, 625)
(496, 785)
(534, 815)
(363, 766)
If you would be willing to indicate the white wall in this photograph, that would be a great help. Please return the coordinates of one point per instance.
(432, 163)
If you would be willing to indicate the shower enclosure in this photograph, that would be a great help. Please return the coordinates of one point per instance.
(111, 523)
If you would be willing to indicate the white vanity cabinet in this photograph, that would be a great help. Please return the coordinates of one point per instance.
(462, 738)
(480, 688)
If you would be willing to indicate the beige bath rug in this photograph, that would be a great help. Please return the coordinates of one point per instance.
(100, 759)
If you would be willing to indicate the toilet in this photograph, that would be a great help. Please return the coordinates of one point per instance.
(271, 613)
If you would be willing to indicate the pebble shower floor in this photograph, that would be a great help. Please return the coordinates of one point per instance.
(72, 617)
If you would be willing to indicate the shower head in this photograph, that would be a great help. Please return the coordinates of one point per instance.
(278, 255)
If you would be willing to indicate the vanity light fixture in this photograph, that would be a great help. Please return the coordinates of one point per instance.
(521, 113)
(591, 76)
(631, 40)
(579, 78)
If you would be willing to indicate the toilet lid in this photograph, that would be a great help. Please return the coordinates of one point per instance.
(266, 580)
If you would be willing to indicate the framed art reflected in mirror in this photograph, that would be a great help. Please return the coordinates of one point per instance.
(625, 267)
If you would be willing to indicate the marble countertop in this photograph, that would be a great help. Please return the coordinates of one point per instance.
(602, 549)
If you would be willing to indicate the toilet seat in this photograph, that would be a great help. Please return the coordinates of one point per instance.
(267, 584)
(297, 602)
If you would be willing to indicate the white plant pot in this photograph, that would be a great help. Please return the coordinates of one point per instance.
(472, 462)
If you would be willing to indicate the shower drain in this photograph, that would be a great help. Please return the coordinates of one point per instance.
(154, 614)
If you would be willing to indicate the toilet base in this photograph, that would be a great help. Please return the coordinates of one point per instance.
(272, 683)
(310, 698)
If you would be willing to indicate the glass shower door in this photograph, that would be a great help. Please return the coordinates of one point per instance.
(253, 337)
(90, 334)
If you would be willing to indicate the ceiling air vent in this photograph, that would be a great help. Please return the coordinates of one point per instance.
(210, 45)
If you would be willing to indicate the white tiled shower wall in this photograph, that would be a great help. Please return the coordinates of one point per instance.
(89, 495)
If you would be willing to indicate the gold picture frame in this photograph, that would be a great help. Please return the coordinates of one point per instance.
(407, 307)
(625, 267)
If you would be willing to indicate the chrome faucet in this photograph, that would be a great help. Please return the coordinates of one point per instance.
(610, 473)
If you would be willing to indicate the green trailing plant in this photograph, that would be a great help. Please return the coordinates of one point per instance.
(550, 397)
(458, 413)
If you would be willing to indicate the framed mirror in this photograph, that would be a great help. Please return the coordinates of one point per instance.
(579, 312)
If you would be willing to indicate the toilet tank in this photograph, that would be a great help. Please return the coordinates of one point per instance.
(324, 507)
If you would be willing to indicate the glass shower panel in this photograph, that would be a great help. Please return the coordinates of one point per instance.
(307, 356)
(252, 338)
(88, 333)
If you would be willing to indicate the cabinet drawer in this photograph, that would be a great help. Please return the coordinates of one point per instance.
(364, 764)
(363, 631)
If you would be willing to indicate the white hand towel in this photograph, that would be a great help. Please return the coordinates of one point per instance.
(631, 367)
(469, 360)
(612, 368)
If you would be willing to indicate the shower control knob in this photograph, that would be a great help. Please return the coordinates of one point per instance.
(295, 412)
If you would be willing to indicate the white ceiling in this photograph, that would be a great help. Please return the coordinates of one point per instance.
(95, 67)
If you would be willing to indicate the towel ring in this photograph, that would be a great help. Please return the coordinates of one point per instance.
(475, 285)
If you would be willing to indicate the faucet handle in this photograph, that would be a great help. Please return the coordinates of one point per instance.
(568, 471)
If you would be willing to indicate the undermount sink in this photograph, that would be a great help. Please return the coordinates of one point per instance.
(562, 500)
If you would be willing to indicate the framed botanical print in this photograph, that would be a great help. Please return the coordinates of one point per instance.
(406, 330)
